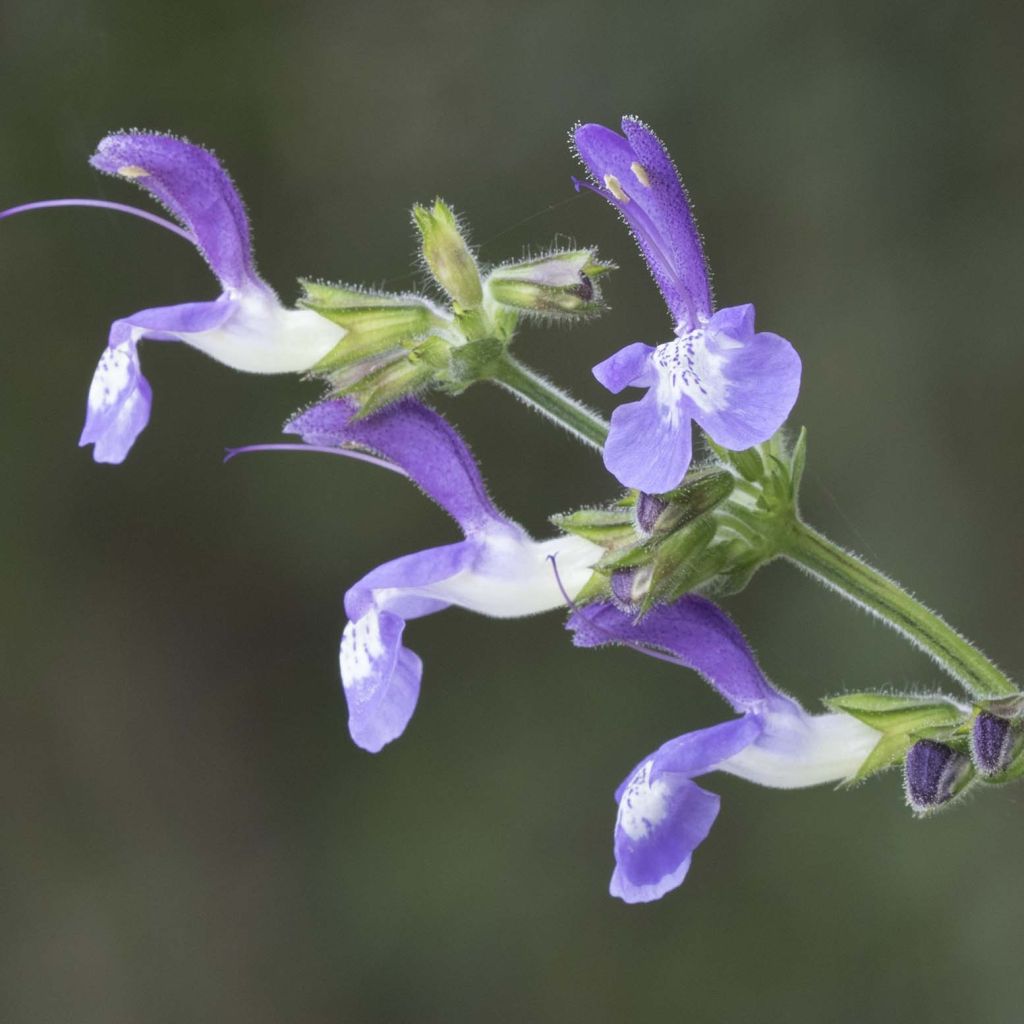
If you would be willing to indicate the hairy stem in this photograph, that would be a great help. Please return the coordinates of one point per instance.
(540, 394)
(881, 597)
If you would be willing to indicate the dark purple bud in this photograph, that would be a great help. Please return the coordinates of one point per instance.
(622, 588)
(648, 508)
(994, 743)
(934, 774)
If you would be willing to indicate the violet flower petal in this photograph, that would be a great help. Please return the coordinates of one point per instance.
(630, 366)
(645, 449)
(636, 175)
(663, 816)
(381, 679)
(195, 188)
(418, 440)
(698, 633)
(120, 397)
(759, 380)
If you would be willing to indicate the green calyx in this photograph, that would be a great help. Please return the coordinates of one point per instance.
(447, 254)
(902, 720)
(556, 285)
(729, 517)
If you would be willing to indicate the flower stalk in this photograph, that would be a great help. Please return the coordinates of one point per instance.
(857, 581)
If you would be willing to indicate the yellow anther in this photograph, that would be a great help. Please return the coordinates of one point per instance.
(640, 173)
(615, 187)
(132, 171)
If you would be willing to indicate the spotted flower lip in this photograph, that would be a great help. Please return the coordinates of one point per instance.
(245, 328)
(738, 384)
(496, 570)
(663, 814)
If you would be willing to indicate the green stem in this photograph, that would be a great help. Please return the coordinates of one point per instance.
(880, 596)
(533, 389)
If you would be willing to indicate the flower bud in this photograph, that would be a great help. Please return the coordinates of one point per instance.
(647, 511)
(995, 743)
(447, 254)
(934, 774)
(558, 284)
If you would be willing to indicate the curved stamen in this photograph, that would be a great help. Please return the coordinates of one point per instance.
(351, 453)
(651, 652)
(102, 204)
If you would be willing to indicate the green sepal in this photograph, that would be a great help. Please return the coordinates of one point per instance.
(898, 713)
(627, 558)
(401, 378)
(375, 322)
(609, 527)
(696, 497)
(676, 567)
(887, 752)
(797, 463)
(558, 284)
(597, 588)
(448, 255)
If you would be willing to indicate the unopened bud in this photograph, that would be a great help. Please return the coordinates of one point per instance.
(995, 743)
(934, 774)
(647, 511)
(559, 284)
(696, 497)
(447, 254)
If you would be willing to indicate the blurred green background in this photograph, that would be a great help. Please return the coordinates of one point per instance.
(189, 833)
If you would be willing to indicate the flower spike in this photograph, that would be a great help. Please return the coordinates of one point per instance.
(738, 384)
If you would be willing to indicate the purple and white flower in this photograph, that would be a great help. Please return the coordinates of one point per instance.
(497, 570)
(738, 384)
(245, 328)
(663, 814)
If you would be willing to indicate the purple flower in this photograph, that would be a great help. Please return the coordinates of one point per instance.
(497, 570)
(738, 384)
(246, 328)
(663, 814)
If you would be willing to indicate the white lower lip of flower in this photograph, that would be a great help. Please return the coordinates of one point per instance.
(644, 804)
(797, 749)
(514, 576)
(261, 336)
(687, 366)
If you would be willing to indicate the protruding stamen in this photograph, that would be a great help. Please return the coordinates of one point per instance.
(640, 173)
(350, 453)
(100, 204)
(133, 171)
(615, 187)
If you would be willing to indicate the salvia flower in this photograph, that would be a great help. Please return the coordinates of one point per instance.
(737, 383)
(246, 327)
(663, 814)
(497, 570)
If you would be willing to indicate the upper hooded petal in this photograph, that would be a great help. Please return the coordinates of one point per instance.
(418, 440)
(636, 175)
(195, 188)
(699, 634)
